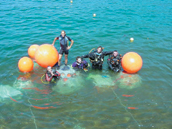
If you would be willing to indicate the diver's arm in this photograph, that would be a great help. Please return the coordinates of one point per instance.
(70, 44)
(90, 55)
(74, 64)
(109, 64)
(85, 64)
(56, 38)
(107, 53)
(70, 41)
(52, 74)
(55, 73)
(120, 57)
(85, 56)
(47, 78)
(58, 74)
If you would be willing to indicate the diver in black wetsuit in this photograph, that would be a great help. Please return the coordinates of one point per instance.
(97, 57)
(114, 61)
(51, 73)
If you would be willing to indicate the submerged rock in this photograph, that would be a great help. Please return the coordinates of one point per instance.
(101, 80)
(19, 84)
(8, 91)
(70, 80)
(128, 81)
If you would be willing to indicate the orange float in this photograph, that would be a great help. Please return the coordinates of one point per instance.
(68, 75)
(46, 55)
(131, 62)
(64, 79)
(32, 49)
(25, 64)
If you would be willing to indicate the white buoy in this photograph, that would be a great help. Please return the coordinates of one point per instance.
(71, 1)
(131, 39)
(94, 15)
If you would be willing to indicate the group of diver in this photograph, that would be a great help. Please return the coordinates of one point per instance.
(96, 58)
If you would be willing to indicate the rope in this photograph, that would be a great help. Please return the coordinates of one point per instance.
(34, 120)
(125, 108)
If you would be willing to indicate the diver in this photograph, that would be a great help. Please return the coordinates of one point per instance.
(79, 63)
(97, 57)
(51, 74)
(64, 48)
(114, 61)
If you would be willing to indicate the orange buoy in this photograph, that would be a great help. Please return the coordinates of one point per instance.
(46, 55)
(25, 64)
(131, 62)
(32, 49)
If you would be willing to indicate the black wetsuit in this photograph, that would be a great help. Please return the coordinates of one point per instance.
(49, 77)
(63, 44)
(114, 63)
(97, 58)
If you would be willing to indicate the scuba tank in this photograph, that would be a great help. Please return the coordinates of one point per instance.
(98, 59)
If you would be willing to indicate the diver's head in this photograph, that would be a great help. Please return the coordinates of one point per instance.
(115, 53)
(63, 33)
(49, 69)
(99, 49)
(78, 59)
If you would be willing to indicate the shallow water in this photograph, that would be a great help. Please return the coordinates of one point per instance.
(24, 23)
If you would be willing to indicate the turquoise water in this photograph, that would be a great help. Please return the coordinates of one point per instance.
(88, 105)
